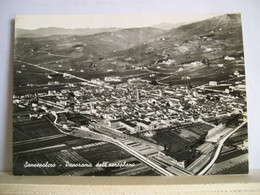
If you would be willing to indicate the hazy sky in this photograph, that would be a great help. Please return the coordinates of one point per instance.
(101, 21)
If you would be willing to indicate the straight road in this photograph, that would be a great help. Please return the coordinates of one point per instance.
(41, 149)
(52, 54)
(31, 141)
(93, 135)
(56, 72)
(86, 133)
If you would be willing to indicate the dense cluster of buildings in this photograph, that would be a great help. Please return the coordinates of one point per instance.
(138, 106)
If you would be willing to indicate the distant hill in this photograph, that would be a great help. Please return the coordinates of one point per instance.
(137, 35)
(118, 40)
(207, 41)
(41, 32)
(212, 39)
(168, 26)
(224, 23)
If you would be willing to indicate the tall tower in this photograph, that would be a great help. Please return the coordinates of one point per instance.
(160, 92)
(91, 107)
(137, 95)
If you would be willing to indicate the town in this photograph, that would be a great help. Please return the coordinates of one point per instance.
(172, 125)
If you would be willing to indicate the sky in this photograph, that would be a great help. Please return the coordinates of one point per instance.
(102, 21)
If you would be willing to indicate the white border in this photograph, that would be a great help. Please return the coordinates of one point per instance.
(251, 32)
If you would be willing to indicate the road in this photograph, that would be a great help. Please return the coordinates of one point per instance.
(52, 54)
(155, 72)
(220, 145)
(144, 159)
(31, 141)
(86, 133)
(40, 149)
(56, 72)
(93, 135)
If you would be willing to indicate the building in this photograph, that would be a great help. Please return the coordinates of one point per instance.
(131, 127)
(228, 58)
(214, 133)
(162, 157)
(213, 83)
(143, 125)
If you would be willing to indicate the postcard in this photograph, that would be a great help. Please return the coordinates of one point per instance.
(129, 95)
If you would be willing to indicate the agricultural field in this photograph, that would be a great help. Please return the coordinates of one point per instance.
(81, 151)
(27, 130)
(29, 79)
(170, 139)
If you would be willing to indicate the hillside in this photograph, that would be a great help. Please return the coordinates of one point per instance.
(162, 51)
(168, 26)
(41, 32)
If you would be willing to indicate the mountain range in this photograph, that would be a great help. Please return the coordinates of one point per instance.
(207, 41)
(40, 32)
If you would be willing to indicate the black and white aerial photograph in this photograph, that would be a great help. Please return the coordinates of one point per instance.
(129, 95)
